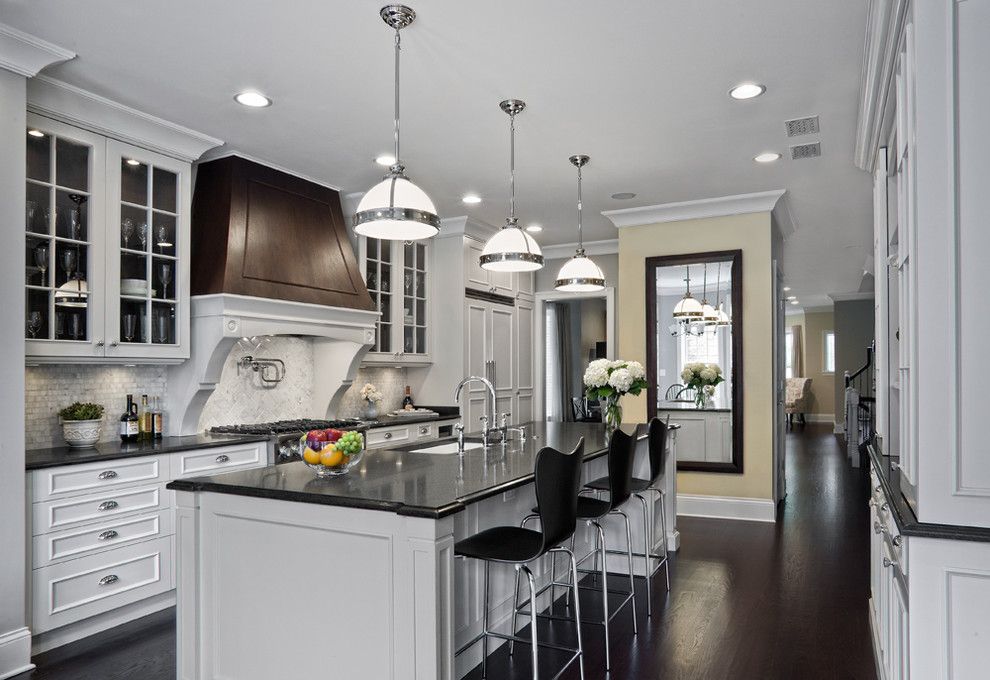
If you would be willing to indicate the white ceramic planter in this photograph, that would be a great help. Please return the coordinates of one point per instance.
(81, 434)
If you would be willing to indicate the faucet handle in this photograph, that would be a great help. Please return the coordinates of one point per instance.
(458, 427)
(504, 419)
(484, 423)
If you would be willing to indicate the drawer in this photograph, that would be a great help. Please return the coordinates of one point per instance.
(389, 436)
(77, 589)
(71, 543)
(72, 480)
(69, 512)
(425, 430)
(220, 459)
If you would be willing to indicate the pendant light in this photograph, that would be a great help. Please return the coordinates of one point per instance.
(723, 318)
(708, 314)
(688, 307)
(511, 249)
(395, 209)
(579, 274)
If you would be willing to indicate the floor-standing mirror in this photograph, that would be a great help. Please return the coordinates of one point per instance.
(694, 355)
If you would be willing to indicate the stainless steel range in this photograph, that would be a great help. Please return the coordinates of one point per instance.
(285, 434)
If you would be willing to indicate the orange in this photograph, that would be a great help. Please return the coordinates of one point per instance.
(312, 457)
(331, 457)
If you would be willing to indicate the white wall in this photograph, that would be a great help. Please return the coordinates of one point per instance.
(15, 643)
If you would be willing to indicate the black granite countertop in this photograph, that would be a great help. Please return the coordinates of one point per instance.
(389, 421)
(63, 455)
(689, 406)
(409, 483)
(889, 473)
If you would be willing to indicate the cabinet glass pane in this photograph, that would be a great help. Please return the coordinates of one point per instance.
(384, 337)
(36, 322)
(37, 260)
(134, 275)
(385, 306)
(133, 182)
(133, 324)
(37, 209)
(372, 249)
(385, 252)
(71, 165)
(407, 340)
(163, 237)
(39, 156)
(71, 263)
(421, 341)
(163, 323)
(421, 312)
(71, 215)
(420, 284)
(372, 277)
(420, 257)
(164, 190)
(384, 280)
(163, 282)
(409, 255)
(407, 282)
(133, 228)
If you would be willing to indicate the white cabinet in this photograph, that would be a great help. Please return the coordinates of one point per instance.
(525, 361)
(705, 436)
(397, 275)
(398, 435)
(477, 278)
(107, 256)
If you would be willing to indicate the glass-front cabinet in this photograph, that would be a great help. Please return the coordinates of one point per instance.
(106, 253)
(396, 274)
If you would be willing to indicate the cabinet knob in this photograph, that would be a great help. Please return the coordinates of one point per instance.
(387, 435)
(107, 474)
(877, 528)
(223, 458)
(888, 563)
(100, 343)
(107, 505)
(107, 535)
(113, 343)
(107, 580)
(424, 429)
(897, 541)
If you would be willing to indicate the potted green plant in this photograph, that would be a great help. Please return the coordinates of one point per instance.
(81, 424)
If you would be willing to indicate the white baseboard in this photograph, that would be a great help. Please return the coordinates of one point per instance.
(820, 417)
(726, 507)
(15, 653)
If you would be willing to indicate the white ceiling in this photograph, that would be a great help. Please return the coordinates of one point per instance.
(638, 85)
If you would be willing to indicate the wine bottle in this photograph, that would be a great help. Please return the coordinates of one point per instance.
(129, 422)
(157, 419)
(144, 419)
(407, 401)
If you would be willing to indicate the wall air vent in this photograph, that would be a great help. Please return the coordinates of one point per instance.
(813, 150)
(802, 126)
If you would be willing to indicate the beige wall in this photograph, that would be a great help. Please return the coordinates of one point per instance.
(752, 234)
(813, 326)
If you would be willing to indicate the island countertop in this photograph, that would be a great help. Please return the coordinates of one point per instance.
(409, 483)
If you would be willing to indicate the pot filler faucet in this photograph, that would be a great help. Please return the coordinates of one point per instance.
(487, 421)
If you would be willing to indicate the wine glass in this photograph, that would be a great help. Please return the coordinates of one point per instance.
(75, 325)
(127, 230)
(69, 259)
(75, 217)
(161, 326)
(41, 260)
(142, 233)
(165, 277)
(130, 325)
(34, 323)
(161, 236)
(30, 211)
(59, 325)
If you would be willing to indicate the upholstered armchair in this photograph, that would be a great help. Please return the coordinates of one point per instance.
(796, 398)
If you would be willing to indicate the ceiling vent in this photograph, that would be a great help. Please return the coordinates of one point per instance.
(813, 150)
(802, 126)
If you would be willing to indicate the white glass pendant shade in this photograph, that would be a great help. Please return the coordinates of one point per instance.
(511, 250)
(688, 308)
(723, 318)
(396, 209)
(579, 275)
(708, 313)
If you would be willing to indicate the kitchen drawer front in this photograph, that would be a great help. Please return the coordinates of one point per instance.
(77, 589)
(424, 430)
(69, 512)
(211, 461)
(72, 543)
(389, 436)
(73, 480)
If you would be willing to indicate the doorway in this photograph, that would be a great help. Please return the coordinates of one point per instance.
(574, 329)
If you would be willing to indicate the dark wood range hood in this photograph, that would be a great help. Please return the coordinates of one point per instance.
(260, 232)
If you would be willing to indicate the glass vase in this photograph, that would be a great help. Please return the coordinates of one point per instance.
(370, 410)
(701, 400)
(611, 413)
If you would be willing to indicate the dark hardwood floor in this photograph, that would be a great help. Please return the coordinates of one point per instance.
(748, 600)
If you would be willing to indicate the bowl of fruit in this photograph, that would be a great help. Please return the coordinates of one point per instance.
(331, 452)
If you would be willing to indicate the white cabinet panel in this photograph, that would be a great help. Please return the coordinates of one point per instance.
(72, 480)
(68, 512)
(93, 538)
(212, 461)
(502, 347)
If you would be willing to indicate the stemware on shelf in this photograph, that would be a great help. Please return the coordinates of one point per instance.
(161, 236)
(130, 325)
(161, 328)
(59, 325)
(164, 277)
(34, 323)
(127, 230)
(75, 325)
(142, 234)
(75, 217)
(69, 259)
(41, 261)
(30, 211)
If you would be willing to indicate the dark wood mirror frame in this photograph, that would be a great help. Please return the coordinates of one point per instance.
(735, 257)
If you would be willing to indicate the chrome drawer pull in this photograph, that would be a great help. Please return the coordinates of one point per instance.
(107, 535)
(223, 458)
(888, 563)
(107, 505)
(424, 430)
(107, 474)
(897, 541)
(877, 528)
(107, 580)
(388, 435)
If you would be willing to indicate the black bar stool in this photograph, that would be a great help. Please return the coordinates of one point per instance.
(593, 511)
(657, 440)
(558, 479)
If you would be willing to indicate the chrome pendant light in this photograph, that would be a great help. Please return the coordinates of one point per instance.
(580, 274)
(709, 315)
(723, 318)
(688, 307)
(511, 249)
(395, 209)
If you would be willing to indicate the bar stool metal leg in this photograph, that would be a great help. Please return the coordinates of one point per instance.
(629, 564)
(577, 609)
(647, 549)
(484, 627)
(663, 534)
(600, 548)
(532, 620)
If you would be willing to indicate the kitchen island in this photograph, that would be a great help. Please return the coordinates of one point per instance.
(283, 574)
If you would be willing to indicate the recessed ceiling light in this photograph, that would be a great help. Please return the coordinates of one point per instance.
(534, 228)
(471, 199)
(794, 302)
(787, 288)
(133, 161)
(623, 195)
(767, 157)
(747, 90)
(253, 99)
(792, 297)
(386, 159)
(36, 133)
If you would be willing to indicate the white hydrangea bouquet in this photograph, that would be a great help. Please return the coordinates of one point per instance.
(372, 397)
(702, 378)
(609, 381)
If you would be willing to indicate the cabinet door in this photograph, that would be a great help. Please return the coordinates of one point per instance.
(899, 653)
(147, 283)
(502, 283)
(474, 276)
(64, 220)
(525, 285)
(503, 352)
(477, 339)
(524, 362)
(376, 266)
(415, 308)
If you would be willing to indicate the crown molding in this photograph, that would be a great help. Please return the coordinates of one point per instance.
(226, 151)
(884, 24)
(25, 54)
(846, 297)
(560, 251)
(76, 106)
(722, 206)
(464, 225)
